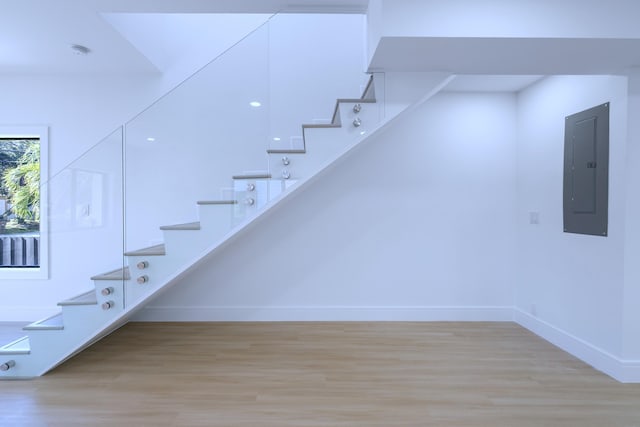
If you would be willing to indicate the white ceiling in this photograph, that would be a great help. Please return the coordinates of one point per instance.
(166, 38)
(35, 35)
(149, 36)
(517, 56)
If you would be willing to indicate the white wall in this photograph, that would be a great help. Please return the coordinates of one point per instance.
(402, 89)
(418, 225)
(180, 43)
(574, 283)
(80, 109)
(375, 27)
(631, 326)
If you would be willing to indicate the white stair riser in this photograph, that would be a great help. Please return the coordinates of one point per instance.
(22, 368)
(185, 243)
(293, 169)
(215, 220)
(117, 296)
(156, 273)
(258, 196)
(78, 317)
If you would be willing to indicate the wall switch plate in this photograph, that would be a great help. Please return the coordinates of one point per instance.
(534, 218)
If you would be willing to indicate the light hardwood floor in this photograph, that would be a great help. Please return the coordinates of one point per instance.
(321, 374)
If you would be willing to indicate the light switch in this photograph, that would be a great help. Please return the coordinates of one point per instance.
(534, 218)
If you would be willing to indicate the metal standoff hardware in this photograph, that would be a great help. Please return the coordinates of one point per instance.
(357, 122)
(7, 365)
(249, 201)
(286, 161)
(107, 291)
(107, 305)
(286, 174)
(251, 186)
(357, 108)
(142, 280)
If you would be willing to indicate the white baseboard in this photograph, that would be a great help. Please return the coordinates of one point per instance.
(626, 371)
(324, 313)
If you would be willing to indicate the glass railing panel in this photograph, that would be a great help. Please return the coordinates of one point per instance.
(196, 161)
(84, 203)
(187, 146)
(309, 71)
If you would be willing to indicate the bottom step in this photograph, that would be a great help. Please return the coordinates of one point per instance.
(19, 346)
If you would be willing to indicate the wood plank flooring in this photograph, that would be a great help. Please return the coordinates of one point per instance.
(321, 374)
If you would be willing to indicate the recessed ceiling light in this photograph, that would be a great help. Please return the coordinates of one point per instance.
(78, 49)
(275, 138)
(255, 104)
(151, 139)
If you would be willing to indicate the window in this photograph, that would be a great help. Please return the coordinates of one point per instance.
(23, 202)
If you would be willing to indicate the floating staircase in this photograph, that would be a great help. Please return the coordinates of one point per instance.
(118, 293)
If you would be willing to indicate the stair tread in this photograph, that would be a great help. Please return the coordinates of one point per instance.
(87, 298)
(322, 125)
(253, 176)
(186, 226)
(19, 346)
(356, 100)
(217, 202)
(286, 151)
(156, 250)
(53, 323)
(118, 274)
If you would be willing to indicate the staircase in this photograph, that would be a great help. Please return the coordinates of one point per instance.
(118, 293)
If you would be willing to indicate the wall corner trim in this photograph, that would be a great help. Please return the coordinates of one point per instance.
(625, 371)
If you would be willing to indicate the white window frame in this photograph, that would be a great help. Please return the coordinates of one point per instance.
(42, 133)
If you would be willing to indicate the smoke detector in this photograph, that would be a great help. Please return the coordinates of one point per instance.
(78, 49)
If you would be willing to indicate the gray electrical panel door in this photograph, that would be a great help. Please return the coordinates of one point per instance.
(586, 171)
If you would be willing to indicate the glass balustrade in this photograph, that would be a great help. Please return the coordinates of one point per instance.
(157, 194)
(200, 162)
(161, 192)
(84, 202)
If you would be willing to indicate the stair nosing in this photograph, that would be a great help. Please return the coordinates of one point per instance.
(77, 300)
(5, 351)
(217, 202)
(155, 250)
(38, 325)
(105, 276)
(189, 226)
(286, 151)
(252, 176)
(321, 126)
(356, 101)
